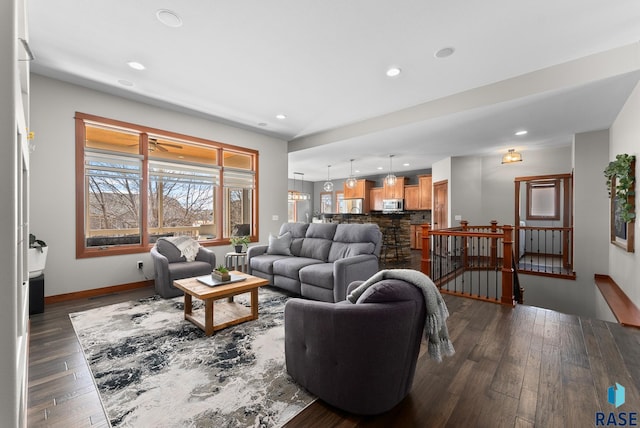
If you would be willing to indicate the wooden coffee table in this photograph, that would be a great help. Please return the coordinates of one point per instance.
(226, 313)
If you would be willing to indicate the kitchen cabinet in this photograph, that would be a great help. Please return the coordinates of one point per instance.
(395, 191)
(376, 195)
(360, 191)
(424, 190)
(412, 197)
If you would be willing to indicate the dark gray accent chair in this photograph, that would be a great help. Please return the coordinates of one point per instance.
(359, 357)
(324, 259)
(169, 265)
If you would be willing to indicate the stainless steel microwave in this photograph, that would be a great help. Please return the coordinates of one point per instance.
(392, 205)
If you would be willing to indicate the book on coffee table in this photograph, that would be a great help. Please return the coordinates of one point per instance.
(208, 280)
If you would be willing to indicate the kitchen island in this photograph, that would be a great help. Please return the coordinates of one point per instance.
(395, 228)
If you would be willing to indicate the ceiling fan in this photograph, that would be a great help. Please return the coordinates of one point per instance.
(155, 144)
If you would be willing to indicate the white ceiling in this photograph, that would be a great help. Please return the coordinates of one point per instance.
(551, 67)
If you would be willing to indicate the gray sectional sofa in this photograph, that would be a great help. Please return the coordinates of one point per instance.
(318, 260)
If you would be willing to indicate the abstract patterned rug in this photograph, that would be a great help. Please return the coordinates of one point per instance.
(155, 369)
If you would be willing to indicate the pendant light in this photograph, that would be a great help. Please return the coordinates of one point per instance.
(294, 195)
(390, 179)
(328, 185)
(351, 181)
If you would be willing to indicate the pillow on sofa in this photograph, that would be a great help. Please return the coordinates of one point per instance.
(280, 244)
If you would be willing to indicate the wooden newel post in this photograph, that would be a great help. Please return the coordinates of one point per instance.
(494, 245)
(425, 261)
(507, 267)
(465, 253)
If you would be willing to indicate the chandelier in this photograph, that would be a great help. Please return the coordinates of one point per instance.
(512, 156)
(294, 195)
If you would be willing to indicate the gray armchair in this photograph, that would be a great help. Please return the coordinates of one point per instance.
(359, 357)
(169, 265)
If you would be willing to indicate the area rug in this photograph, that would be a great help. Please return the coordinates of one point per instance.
(155, 369)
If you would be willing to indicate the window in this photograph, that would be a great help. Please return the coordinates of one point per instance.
(340, 207)
(326, 205)
(543, 200)
(136, 184)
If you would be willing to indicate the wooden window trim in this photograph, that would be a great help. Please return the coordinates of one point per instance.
(83, 252)
(556, 199)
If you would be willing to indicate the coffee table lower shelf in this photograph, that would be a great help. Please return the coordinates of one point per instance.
(219, 315)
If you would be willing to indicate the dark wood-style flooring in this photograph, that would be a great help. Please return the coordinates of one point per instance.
(521, 367)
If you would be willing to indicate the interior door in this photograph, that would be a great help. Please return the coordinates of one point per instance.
(440, 205)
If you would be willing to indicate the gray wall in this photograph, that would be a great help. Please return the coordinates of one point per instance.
(54, 104)
(482, 189)
(624, 267)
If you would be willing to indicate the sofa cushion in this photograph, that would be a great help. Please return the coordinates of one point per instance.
(264, 263)
(280, 244)
(390, 290)
(320, 275)
(321, 230)
(316, 248)
(353, 233)
(298, 232)
(182, 270)
(341, 250)
(170, 251)
(290, 266)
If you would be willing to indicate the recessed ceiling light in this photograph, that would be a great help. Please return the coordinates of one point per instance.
(136, 65)
(357, 171)
(444, 52)
(169, 18)
(523, 132)
(379, 167)
(406, 164)
(124, 82)
(393, 72)
(281, 116)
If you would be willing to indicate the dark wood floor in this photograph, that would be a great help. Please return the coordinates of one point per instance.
(521, 367)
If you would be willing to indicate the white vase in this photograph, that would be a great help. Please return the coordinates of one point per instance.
(37, 261)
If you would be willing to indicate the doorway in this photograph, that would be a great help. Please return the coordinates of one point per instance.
(440, 205)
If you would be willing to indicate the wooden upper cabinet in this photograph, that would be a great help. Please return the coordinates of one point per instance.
(396, 191)
(412, 197)
(360, 191)
(376, 194)
(424, 190)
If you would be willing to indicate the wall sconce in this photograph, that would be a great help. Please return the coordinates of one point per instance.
(512, 156)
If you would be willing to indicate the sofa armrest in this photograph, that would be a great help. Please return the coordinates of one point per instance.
(206, 255)
(350, 269)
(255, 250)
(160, 266)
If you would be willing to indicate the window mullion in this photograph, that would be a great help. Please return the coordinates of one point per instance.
(144, 190)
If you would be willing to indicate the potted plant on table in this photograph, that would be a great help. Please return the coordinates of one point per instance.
(221, 273)
(238, 242)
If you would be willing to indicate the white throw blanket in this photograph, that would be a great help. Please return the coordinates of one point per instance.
(435, 328)
(188, 246)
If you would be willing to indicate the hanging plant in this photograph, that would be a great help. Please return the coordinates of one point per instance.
(622, 170)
